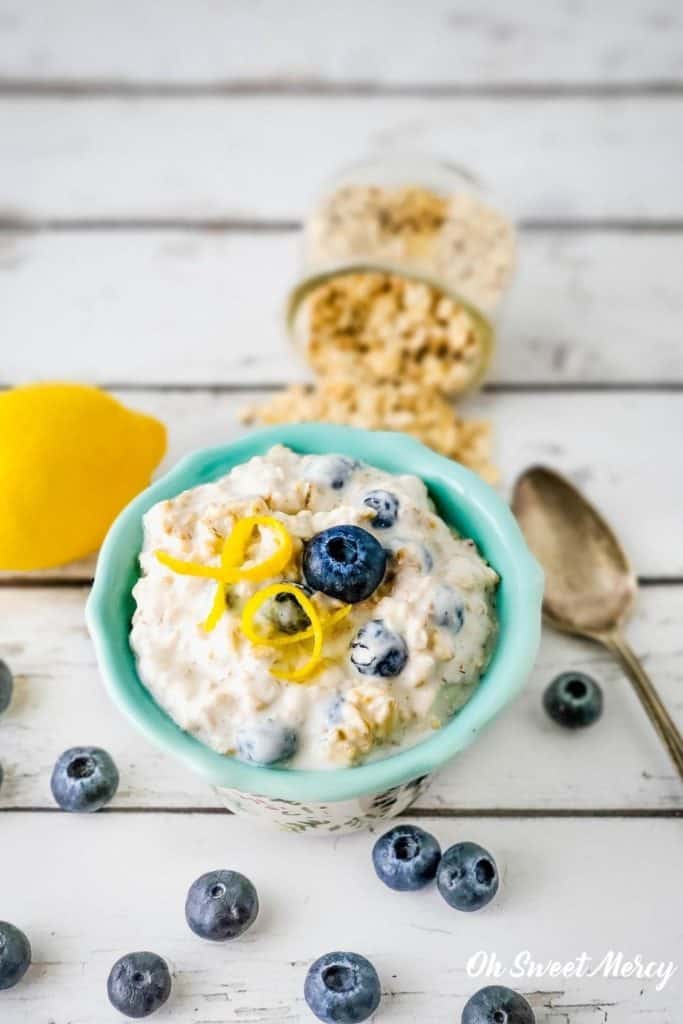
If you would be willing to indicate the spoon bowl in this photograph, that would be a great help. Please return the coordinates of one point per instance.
(590, 586)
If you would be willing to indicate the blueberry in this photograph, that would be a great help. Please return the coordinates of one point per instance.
(574, 700)
(138, 984)
(497, 1004)
(342, 988)
(345, 562)
(285, 612)
(15, 955)
(467, 877)
(266, 742)
(378, 651)
(448, 609)
(385, 505)
(334, 709)
(84, 779)
(411, 550)
(221, 905)
(6, 686)
(333, 471)
(406, 858)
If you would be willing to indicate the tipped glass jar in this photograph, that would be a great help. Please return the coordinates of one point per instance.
(405, 262)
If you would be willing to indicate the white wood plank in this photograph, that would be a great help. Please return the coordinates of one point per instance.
(436, 42)
(131, 306)
(619, 763)
(564, 891)
(246, 157)
(621, 448)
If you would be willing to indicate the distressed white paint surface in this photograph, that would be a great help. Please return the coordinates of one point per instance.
(382, 42)
(118, 883)
(264, 157)
(619, 763)
(201, 307)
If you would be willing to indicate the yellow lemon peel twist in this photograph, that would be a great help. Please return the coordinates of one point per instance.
(231, 569)
(257, 600)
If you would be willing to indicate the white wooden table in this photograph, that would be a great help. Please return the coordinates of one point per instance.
(154, 163)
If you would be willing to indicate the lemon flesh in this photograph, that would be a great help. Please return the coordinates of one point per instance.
(71, 457)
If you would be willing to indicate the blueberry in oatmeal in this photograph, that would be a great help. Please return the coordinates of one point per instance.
(385, 505)
(266, 742)
(333, 471)
(139, 984)
(221, 905)
(377, 651)
(406, 858)
(287, 614)
(280, 620)
(342, 988)
(84, 779)
(345, 562)
(15, 955)
(467, 877)
(573, 700)
(448, 609)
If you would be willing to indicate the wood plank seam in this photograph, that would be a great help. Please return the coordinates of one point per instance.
(666, 813)
(11, 224)
(116, 88)
(492, 388)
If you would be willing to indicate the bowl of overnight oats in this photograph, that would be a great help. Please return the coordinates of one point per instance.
(315, 619)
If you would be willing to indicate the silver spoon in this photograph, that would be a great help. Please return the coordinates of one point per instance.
(590, 586)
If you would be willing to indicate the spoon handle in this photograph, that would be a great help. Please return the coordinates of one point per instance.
(650, 699)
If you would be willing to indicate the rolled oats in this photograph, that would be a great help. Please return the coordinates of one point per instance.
(456, 238)
(411, 408)
(389, 327)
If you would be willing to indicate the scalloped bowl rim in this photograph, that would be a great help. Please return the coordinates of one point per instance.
(462, 498)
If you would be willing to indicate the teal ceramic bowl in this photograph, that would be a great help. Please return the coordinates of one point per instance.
(347, 797)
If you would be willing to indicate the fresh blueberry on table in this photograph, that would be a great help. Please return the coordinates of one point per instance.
(345, 562)
(497, 1004)
(342, 988)
(285, 612)
(138, 984)
(221, 905)
(266, 742)
(84, 779)
(385, 505)
(6, 686)
(573, 700)
(378, 651)
(448, 609)
(467, 877)
(406, 858)
(15, 955)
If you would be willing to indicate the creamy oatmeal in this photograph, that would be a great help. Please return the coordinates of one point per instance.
(309, 611)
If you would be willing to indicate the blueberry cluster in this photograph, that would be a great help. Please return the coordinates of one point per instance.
(408, 858)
